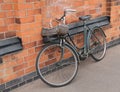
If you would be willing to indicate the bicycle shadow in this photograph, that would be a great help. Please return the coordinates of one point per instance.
(86, 62)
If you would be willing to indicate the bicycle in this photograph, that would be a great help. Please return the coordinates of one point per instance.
(57, 62)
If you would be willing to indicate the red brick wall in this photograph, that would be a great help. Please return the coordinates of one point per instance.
(114, 31)
(25, 18)
(54, 9)
(20, 18)
(7, 20)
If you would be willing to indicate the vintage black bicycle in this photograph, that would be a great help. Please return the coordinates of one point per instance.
(57, 62)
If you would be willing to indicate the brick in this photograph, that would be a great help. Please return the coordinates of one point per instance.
(19, 67)
(13, 27)
(21, 84)
(35, 37)
(108, 0)
(9, 71)
(20, 13)
(29, 45)
(92, 11)
(18, 1)
(29, 26)
(24, 20)
(78, 3)
(26, 26)
(9, 78)
(2, 22)
(9, 21)
(38, 48)
(38, 5)
(0, 81)
(40, 42)
(1, 73)
(51, 56)
(2, 15)
(34, 12)
(23, 6)
(7, 1)
(30, 57)
(30, 69)
(81, 13)
(2, 87)
(31, 0)
(1, 1)
(38, 18)
(6, 6)
(20, 56)
(2, 66)
(29, 76)
(117, 3)
(30, 32)
(25, 40)
(20, 73)
(6, 58)
(10, 34)
(10, 64)
(2, 36)
(50, 61)
(32, 63)
(14, 87)
(44, 58)
(31, 51)
(20, 61)
(13, 82)
(30, 80)
(3, 28)
(10, 14)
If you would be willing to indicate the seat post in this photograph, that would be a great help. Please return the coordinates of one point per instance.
(84, 23)
(85, 37)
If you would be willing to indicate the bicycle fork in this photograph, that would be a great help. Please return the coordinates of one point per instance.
(61, 51)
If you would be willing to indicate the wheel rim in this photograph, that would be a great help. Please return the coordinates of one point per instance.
(58, 69)
(97, 44)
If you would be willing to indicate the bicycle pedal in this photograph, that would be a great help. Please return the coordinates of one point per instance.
(83, 57)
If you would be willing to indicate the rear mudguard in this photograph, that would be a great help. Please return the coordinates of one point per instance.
(89, 34)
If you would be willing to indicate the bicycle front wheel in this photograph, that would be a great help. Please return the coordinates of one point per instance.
(57, 65)
(97, 44)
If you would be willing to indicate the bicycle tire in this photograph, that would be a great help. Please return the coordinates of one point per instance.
(97, 44)
(56, 73)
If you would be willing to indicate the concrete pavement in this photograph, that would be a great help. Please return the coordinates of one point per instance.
(103, 76)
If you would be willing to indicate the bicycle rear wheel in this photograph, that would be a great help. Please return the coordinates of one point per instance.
(97, 44)
(57, 65)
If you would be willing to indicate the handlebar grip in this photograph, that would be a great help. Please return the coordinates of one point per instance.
(70, 10)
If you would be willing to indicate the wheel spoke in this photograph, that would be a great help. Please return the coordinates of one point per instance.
(97, 44)
(58, 68)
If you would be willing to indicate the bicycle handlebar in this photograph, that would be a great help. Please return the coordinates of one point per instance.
(63, 16)
(69, 10)
(65, 12)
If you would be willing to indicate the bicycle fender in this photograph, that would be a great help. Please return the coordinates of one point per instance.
(96, 27)
(89, 34)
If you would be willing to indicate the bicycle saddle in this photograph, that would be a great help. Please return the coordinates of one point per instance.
(83, 18)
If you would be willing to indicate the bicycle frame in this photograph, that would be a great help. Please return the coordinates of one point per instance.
(87, 34)
(85, 47)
